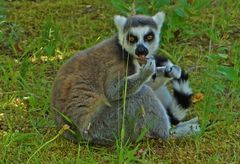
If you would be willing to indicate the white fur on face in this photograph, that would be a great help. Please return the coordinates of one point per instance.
(140, 32)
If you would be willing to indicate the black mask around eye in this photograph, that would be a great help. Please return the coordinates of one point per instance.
(132, 38)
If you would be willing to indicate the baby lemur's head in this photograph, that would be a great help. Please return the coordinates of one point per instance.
(139, 34)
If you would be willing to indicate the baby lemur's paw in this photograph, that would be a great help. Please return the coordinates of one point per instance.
(173, 72)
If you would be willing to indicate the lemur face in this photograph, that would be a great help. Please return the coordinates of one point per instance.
(139, 35)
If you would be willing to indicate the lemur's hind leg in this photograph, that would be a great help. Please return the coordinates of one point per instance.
(144, 112)
(147, 112)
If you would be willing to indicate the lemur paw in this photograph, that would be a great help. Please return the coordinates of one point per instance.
(173, 72)
(149, 68)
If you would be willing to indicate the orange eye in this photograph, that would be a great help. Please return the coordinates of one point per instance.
(131, 39)
(149, 38)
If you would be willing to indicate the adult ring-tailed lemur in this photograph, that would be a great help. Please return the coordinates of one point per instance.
(89, 87)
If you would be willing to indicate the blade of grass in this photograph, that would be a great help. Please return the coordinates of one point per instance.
(60, 132)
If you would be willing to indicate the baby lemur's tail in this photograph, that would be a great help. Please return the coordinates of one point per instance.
(182, 95)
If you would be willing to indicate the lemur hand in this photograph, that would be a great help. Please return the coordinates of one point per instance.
(173, 71)
(149, 68)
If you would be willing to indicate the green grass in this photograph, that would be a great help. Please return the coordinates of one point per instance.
(36, 37)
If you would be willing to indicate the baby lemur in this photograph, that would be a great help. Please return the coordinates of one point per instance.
(89, 88)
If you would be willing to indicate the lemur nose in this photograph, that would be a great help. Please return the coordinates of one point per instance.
(141, 50)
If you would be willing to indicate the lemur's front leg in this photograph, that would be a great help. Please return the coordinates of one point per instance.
(133, 83)
(165, 71)
(170, 72)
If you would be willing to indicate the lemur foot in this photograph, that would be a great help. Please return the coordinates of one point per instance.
(186, 128)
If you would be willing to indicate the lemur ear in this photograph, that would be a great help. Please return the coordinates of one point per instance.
(159, 19)
(120, 22)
